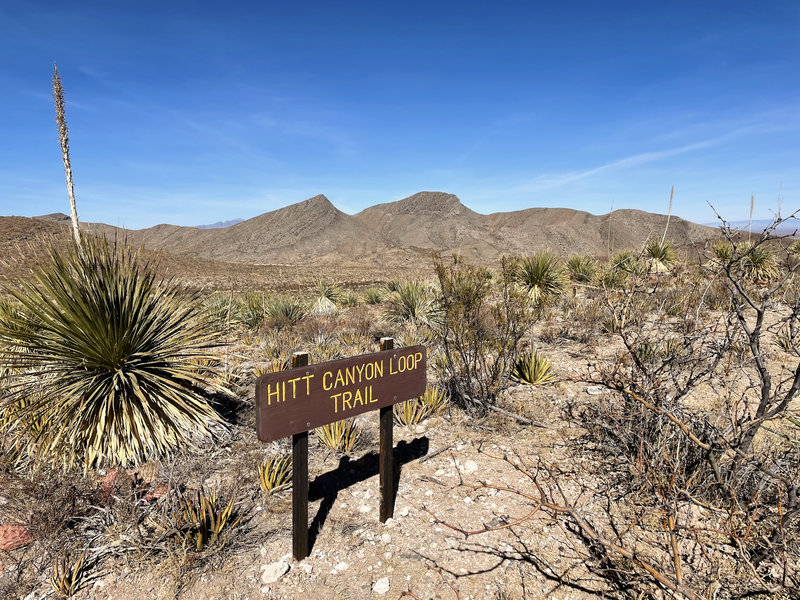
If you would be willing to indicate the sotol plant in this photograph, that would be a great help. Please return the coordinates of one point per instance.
(541, 275)
(113, 352)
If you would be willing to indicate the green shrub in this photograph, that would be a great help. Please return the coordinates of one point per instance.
(482, 323)
(112, 351)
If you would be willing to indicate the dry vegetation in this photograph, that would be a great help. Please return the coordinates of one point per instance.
(625, 428)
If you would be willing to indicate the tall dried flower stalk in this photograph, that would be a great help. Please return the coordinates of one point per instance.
(63, 135)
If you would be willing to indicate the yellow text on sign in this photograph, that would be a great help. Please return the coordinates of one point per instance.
(292, 386)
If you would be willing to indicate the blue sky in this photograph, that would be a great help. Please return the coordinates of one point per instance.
(194, 112)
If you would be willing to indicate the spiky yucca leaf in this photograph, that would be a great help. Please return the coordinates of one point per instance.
(283, 311)
(541, 275)
(533, 369)
(113, 352)
(581, 268)
(276, 474)
(757, 261)
(723, 252)
(201, 521)
(341, 436)
(412, 301)
(374, 295)
(660, 254)
(68, 576)
(413, 411)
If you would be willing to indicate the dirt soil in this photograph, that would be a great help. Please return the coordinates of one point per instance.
(416, 553)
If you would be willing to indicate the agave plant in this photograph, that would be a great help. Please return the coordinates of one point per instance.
(200, 521)
(533, 369)
(113, 352)
(341, 436)
(541, 275)
(275, 475)
(660, 254)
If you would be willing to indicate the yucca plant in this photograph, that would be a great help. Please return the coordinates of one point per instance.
(541, 275)
(581, 268)
(408, 413)
(416, 410)
(68, 576)
(374, 295)
(628, 262)
(757, 262)
(412, 301)
(533, 369)
(251, 310)
(200, 521)
(341, 436)
(276, 474)
(326, 289)
(283, 311)
(723, 252)
(113, 352)
(660, 254)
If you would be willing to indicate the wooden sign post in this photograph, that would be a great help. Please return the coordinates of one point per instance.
(294, 401)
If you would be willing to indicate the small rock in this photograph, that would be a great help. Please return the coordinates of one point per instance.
(364, 508)
(595, 390)
(14, 536)
(307, 568)
(420, 429)
(342, 566)
(428, 493)
(403, 512)
(273, 571)
(381, 586)
(470, 467)
(386, 538)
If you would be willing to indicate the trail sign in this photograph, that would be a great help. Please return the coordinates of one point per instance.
(307, 396)
(300, 399)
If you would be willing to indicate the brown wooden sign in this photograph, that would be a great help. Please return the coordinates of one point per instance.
(301, 399)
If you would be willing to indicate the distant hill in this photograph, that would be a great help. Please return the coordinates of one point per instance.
(220, 224)
(788, 227)
(406, 232)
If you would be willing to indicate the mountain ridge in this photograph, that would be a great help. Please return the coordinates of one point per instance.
(407, 231)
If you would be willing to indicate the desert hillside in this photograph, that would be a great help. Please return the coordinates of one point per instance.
(408, 232)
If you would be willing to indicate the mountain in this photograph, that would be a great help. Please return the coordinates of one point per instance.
(788, 227)
(220, 224)
(404, 233)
